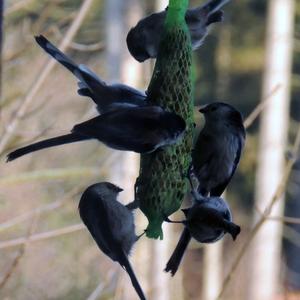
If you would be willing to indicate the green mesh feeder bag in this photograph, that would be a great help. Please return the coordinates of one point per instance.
(162, 183)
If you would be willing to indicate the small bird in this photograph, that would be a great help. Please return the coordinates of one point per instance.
(206, 221)
(143, 39)
(111, 225)
(215, 158)
(106, 97)
(138, 129)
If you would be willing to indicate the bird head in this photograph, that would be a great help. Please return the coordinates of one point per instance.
(221, 113)
(105, 190)
(136, 40)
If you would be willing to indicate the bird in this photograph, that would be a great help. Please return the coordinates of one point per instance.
(143, 39)
(215, 157)
(111, 225)
(106, 97)
(138, 129)
(208, 219)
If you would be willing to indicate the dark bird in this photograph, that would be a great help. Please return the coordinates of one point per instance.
(143, 39)
(138, 129)
(215, 158)
(206, 221)
(111, 225)
(106, 97)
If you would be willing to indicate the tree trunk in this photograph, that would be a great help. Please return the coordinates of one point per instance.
(272, 142)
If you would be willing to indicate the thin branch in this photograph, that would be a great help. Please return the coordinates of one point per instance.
(103, 165)
(288, 220)
(42, 236)
(39, 210)
(49, 174)
(17, 6)
(260, 107)
(41, 78)
(96, 293)
(21, 254)
(291, 235)
(264, 217)
(87, 48)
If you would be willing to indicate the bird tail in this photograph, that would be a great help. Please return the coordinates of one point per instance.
(89, 81)
(232, 229)
(56, 141)
(175, 259)
(126, 264)
(56, 53)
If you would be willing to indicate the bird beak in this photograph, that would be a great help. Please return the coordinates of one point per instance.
(185, 211)
(119, 190)
(203, 109)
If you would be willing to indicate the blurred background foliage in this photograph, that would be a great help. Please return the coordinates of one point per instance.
(229, 68)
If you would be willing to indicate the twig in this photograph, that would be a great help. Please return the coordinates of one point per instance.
(96, 293)
(264, 217)
(49, 174)
(21, 253)
(17, 6)
(87, 48)
(42, 236)
(104, 164)
(39, 81)
(39, 210)
(288, 220)
(291, 235)
(260, 107)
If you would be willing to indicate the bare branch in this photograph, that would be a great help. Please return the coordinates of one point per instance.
(96, 293)
(39, 210)
(103, 165)
(260, 107)
(17, 6)
(292, 235)
(49, 174)
(21, 253)
(264, 217)
(41, 77)
(87, 48)
(42, 236)
(288, 220)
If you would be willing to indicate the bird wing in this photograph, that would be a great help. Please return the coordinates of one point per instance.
(137, 129)
(219, 189)
(202, 153)
(97, 227)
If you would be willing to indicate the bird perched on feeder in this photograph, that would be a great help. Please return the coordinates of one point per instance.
(143, 39)
(111, 225)
(106, 97)
(138, 129)
(215, 158)
(209, 219)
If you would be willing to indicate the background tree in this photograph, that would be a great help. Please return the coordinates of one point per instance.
(272, 147)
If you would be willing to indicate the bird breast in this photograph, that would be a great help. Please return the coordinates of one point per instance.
(219, 168)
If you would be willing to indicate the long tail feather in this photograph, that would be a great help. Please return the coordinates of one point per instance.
(126, 264)
(175, 259)
(56, 141)
(56, 53)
